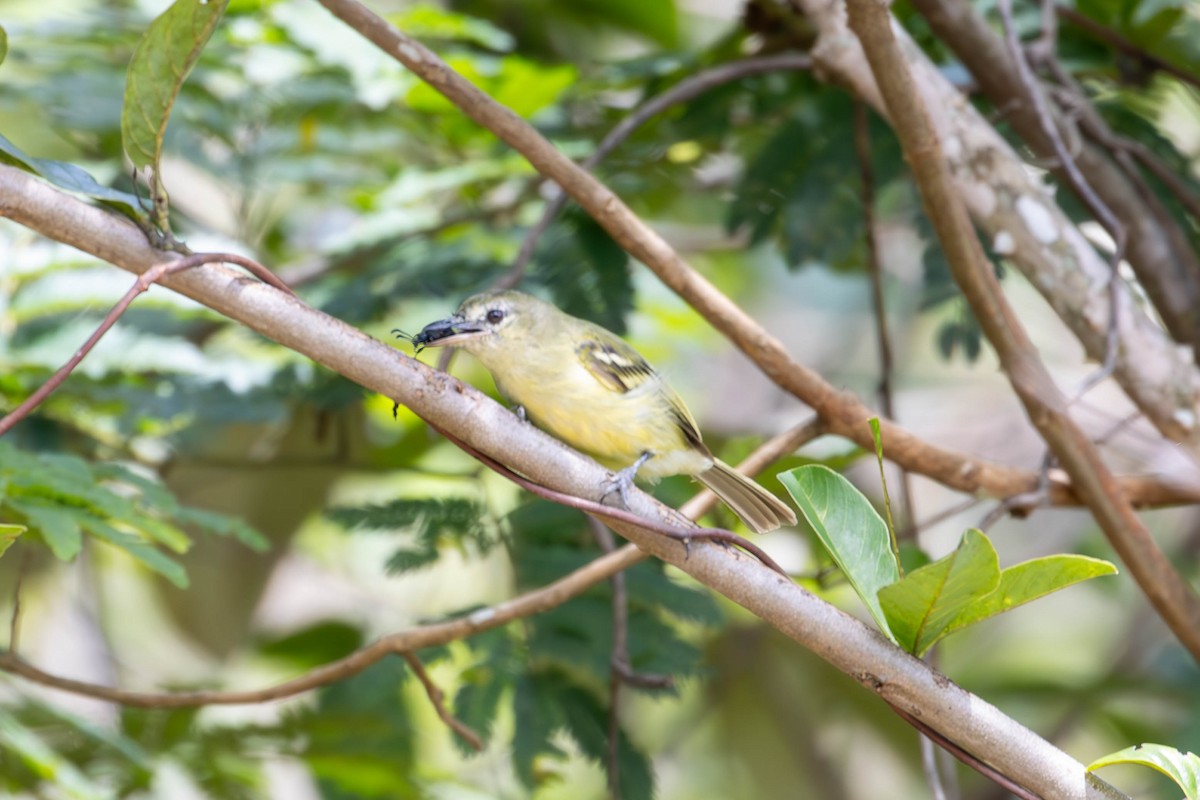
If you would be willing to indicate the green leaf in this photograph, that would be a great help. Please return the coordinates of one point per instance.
(223, 525)
(9, 534)
(587, 721)
(160, 64)
(3, 44)
(426, 22)
(1183, 768)
(406, 560)
(169, 568)
(1030, 580)
(435, 515)
(967, 586)
(68, 176)
(922, 607)
(851, 530)
(537, 715)
(57, 526)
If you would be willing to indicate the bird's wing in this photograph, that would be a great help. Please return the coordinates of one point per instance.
(617, 366)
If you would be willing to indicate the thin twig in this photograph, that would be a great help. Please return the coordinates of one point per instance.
(980, 766)
(883, 338)
(437, 697)
(140, 285)
(687, 89)
(619, 655)
(14, 624)
(915, 529)
(525, 605)
(1071, 94)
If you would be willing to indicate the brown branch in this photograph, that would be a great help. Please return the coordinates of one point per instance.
(844, 414)
(14, 624)
(980, 766)
(437, 697)
(1171, 596)
(140, 285)
(686, 535)
(1006, 200)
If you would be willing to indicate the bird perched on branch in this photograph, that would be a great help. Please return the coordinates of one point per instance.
(588, 387)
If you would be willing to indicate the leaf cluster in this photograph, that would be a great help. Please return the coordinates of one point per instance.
(62, 498)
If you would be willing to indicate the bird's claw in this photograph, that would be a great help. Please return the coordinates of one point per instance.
(621, 482)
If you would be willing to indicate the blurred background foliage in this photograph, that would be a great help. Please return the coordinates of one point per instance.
(296, 142)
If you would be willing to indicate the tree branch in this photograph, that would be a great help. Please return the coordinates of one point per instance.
(437, 698)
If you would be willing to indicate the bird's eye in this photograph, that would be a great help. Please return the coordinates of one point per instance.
(495, 316)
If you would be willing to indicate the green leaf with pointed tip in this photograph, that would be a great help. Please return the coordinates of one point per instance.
(851, 530)
(921, 608)
(3, 44)
(1030, 580)
(160, 64)
(968, 586)
(9, 534)
(1183, 768)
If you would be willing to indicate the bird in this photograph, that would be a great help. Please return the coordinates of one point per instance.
(588, 387)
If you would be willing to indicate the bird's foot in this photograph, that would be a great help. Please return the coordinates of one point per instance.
(519, 410)
(621, 482)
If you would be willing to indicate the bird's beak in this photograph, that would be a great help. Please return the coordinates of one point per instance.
(447, 332)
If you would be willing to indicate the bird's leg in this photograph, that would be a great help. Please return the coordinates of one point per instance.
(519, 410)
(623, 480)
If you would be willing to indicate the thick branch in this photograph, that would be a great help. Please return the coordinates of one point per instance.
(1046, 406)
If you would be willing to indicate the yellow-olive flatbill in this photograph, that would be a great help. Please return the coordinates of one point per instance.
(590, 388)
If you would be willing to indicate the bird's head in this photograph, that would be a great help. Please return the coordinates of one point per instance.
(487, 321)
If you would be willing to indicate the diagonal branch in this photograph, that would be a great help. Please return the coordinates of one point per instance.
(1046, 406)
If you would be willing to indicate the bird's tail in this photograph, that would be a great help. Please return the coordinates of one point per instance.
(757, 507)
